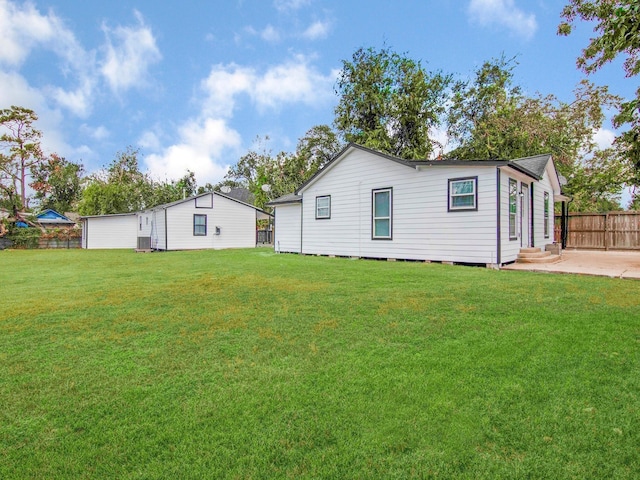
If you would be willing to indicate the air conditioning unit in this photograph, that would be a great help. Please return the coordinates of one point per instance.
(144, 243)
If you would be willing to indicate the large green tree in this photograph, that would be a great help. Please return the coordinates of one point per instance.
(57, 183)
(490, 118)
(617, 33)
(284, 171)
(389, 102)
(122, 187)
(20, 151)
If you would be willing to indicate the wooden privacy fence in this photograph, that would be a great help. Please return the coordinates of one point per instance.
(604, 231)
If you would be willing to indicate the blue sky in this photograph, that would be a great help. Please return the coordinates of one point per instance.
(192, 84)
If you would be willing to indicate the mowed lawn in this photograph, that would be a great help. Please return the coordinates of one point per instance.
(247, 364)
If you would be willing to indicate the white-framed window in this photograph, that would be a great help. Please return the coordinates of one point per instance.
(463, 194)
(199, 225)
(382, 214)
(546, 215)
(513, 209)
(323, 207)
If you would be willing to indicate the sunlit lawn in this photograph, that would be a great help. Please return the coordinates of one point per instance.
(248, 364)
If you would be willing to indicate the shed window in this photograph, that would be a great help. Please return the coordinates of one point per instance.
(463, 193)
(513, 208)
(323, 207)
(546, 215)
(199, 225)
(382, 214)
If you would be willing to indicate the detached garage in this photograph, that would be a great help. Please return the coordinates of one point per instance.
(109, 231)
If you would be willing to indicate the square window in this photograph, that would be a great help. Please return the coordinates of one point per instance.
(463, 193)
(323, 207)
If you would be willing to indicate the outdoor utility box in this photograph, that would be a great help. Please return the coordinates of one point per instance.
(144, 243)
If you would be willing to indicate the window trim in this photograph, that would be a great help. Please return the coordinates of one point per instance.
(547, 215)
(513, 216)
(374, 218)
(199, 215)
(450, 207)
(323, 217)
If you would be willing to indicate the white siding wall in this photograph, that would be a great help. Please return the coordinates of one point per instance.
(423, 229)
(158, 238)
(237, 224)
(287, 228)
(111, 231)
(144, 219)
(509, 247)
(538, 205)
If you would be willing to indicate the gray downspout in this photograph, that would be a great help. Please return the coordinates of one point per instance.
(166, 231)
(498, 226)
(301, 223)
(533, 216)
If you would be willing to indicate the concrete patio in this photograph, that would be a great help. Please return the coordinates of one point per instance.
(615, 264)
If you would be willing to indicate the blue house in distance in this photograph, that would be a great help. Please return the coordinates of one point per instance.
(48, 219)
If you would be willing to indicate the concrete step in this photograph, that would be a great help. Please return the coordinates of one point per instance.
(530, 250)
(537, 254)
(548, 258)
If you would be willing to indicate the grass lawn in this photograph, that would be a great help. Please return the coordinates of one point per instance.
(247, 364)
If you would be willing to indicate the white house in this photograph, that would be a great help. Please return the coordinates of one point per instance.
(207, 221)
(368, 204)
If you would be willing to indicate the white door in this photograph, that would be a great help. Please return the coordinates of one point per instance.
(525, 217)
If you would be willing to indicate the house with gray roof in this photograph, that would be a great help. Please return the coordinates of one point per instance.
(368, 204)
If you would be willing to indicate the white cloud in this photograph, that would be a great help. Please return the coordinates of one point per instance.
(206, 142)
(604, 138)
(22, 27)
(317, 30)
(293, 81)
(270, 34)
(288, 5)
(97, 133)
(130, 51)
(201, 149)
(503, 13)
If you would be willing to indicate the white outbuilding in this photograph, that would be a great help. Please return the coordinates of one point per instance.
(207, 221)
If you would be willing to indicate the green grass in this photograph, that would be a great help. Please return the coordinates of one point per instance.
(248, 364)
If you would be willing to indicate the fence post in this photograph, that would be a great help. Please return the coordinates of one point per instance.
(606, 230)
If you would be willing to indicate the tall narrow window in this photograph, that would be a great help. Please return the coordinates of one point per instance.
(463, 194)
(199, 225)
(546, 215)
(513, 208)
(323, 207)
(382, 214)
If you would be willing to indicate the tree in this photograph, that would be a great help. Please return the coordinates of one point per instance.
(618, 33)
(283, 172)
(120, 188)
(57, 183)
(389, 102)
(489, 117)
(20, 143)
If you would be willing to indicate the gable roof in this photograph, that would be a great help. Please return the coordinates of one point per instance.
(284, 199)
(188, 199)
(51, 216)
(531, 166)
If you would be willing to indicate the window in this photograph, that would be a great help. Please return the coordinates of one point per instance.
(463, 194)
(546, 214)
(513, 208)
(381, 224)
(140, 222)
(323, 207)
(199, 225)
